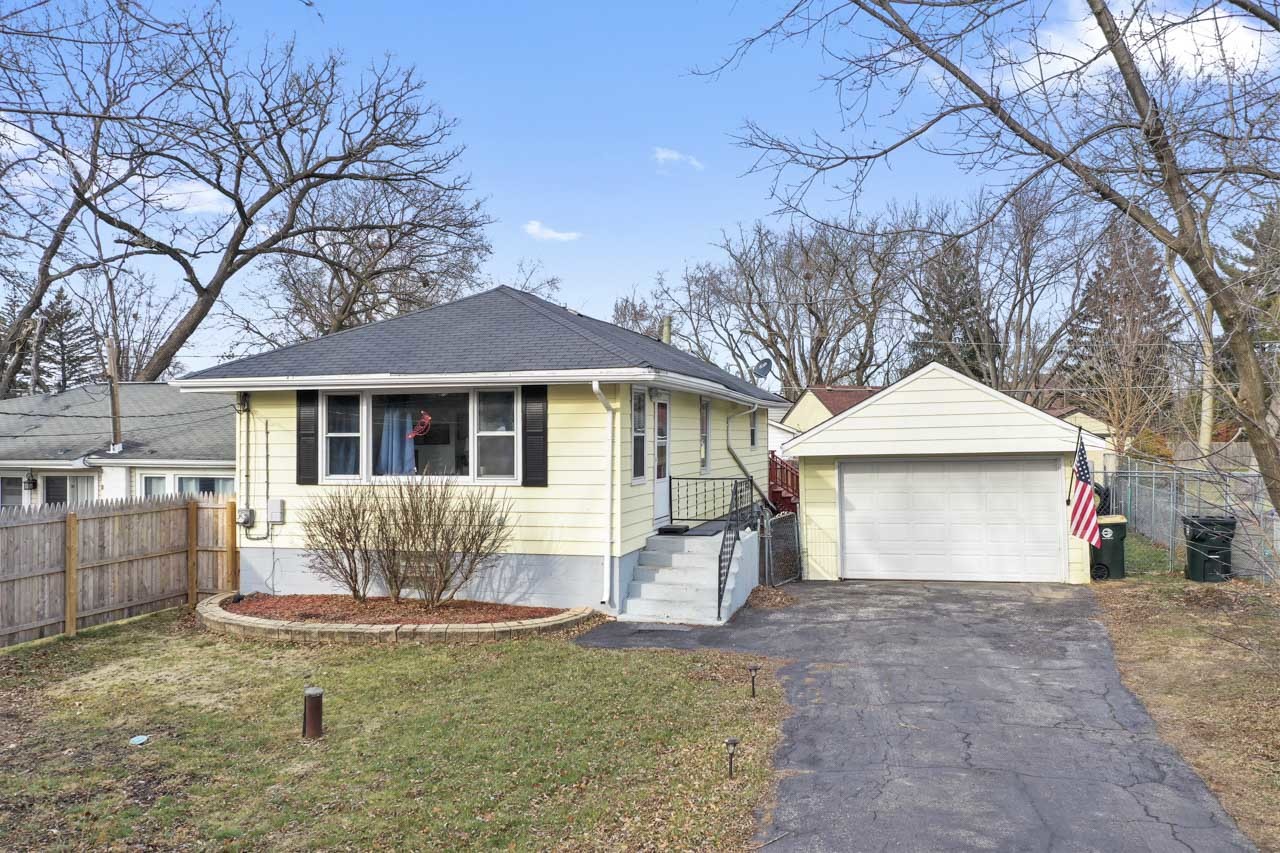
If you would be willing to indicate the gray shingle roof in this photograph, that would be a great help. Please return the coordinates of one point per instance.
(498, 330)
(158, 422)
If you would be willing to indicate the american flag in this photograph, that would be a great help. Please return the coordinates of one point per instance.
(1084, 515)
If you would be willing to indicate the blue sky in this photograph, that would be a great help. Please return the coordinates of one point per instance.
(561, 106)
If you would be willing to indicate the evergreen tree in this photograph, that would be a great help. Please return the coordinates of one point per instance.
(69, 349)
(952, 323)
(1122, 353)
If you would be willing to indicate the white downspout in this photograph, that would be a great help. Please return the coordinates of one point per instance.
(728, 438)
(607, 574)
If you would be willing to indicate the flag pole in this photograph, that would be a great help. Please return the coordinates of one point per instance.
(1074, 455)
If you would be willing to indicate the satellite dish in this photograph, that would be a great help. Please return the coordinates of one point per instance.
(762, 369)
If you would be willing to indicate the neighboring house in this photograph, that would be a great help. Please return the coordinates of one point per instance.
(1078, 417)
(780, 433)
(938, 477)
(820, 402)
(56, 448)
(597, 436)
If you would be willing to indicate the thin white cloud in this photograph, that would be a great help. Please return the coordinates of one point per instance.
(665, 156)
(538, 231)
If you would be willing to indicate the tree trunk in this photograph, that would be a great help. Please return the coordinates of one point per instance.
(179, 335)
(1205, 437)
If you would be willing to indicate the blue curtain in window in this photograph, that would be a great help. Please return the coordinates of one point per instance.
(395, 451)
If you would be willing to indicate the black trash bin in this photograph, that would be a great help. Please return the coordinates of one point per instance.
(1107, 562)
(1208, 547)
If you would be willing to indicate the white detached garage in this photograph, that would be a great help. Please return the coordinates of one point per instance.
(939, 477)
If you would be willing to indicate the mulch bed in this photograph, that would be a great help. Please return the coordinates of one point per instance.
(381, 611)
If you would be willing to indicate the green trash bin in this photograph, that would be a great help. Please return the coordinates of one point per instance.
(1208, 547)
(1107, 562)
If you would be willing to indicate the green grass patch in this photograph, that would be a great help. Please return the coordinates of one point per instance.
(522, 744)
(1143, 556)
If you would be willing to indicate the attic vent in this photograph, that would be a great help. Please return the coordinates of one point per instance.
(574, 311)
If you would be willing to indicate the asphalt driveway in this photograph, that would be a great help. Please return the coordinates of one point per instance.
(934, 716)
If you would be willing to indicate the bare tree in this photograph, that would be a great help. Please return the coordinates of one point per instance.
(451, 535)
(639, 313)
(1165, 116)
(998, 300)
(74, 80)
(821, 302)
(338, 531)
(364, 252)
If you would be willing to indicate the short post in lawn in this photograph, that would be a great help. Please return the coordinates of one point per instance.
(754, 669)
(731, 747)
(312, 713)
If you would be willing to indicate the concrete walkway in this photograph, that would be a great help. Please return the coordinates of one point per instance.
(931, 716)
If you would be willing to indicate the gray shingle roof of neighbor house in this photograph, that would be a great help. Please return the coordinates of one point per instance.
(495, 331)
(158, 422)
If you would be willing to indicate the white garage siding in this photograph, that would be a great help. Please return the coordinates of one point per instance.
(936, 417)
(960, 518)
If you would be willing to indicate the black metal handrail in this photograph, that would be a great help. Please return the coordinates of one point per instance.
(740, 504)
(703, 499)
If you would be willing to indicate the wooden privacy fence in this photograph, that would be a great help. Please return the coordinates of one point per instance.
(65, 568)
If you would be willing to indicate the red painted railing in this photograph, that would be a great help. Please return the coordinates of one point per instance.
(784, 476)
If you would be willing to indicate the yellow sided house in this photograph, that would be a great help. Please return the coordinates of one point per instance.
(604, 442)
(939, 477)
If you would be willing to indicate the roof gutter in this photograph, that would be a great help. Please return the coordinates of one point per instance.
(607, 564)
(648, 376)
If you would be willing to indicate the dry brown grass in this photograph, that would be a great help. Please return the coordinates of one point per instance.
(1205, 659)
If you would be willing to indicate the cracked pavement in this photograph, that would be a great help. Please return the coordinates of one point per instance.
(957, 716)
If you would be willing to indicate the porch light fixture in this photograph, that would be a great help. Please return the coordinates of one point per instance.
(754, 669)
(731, 747)
(29, 482)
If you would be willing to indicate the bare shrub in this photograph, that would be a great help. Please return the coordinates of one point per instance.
(387, 537)
(339, 543)
(451, 535)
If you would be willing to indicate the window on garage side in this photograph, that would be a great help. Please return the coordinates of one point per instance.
(220, 486)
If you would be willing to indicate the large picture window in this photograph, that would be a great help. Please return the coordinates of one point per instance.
(422, 434)
(465, 434)
(342, 435)
(639, 430)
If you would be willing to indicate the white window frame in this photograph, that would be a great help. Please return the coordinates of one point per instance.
(754, 433)
(366, 396)
(165, 478)
(477, 434)
(360, 436)
(195, 475)
(44, 478)
(22, 493)
(642, 433)
(704, 435)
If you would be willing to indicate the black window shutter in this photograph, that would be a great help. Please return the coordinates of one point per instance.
(533, 438)
(308, 450)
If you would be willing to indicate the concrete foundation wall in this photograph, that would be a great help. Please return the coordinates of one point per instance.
(538, 580)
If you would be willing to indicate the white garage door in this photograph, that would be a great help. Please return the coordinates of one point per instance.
(959, 518)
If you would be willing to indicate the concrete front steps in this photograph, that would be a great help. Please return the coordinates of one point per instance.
(675, 582)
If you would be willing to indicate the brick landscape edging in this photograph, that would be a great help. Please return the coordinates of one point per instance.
(221, 621)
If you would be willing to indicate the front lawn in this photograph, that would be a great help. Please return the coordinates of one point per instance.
(1205, 660)
(531, 743)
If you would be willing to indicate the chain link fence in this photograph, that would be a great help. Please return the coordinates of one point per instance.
(1155, 497)
(781, 562)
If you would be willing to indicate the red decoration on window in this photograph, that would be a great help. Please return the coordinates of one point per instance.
(422, 427)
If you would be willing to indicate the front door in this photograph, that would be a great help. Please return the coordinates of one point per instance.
(661, 474)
